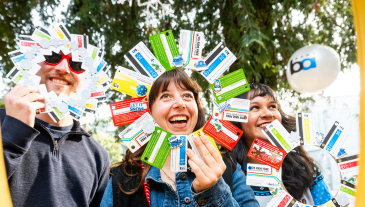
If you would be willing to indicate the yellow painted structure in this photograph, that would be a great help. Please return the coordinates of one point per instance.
(5, 199)
(358, 8)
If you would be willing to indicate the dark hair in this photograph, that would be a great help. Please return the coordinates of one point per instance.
(182, 80)
(297, 167)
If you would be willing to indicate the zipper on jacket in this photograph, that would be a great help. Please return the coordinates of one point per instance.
(55, 148)
(55, 142)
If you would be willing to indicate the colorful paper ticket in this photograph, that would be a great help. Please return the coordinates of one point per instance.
(74, 111)
(133, 136)
(223, 132)
(334, 139)
(278, 136)
(190, 47)
(127, 81)
(266, 153)
(194, 148)
(349, 167)
(126, 112)
(263, 175)
(282, 199)
(230, 86)
(144, 62)
(307, 128)
(82, 42)
(179, 159)
(218, 61)
(348, 189)
(165, 49)
(158, 148)
(238, 111)
(61, 32)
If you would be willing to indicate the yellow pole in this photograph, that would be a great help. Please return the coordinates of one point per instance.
(5, 199)
(358, 8)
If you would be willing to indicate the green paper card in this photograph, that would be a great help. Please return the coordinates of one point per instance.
(165, 48)
(158, 148)
(229, 86)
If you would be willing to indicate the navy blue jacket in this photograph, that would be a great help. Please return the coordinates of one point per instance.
(73, 172)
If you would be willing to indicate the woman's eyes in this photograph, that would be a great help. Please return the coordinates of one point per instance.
(165, 96)
(185, 96)
(257, 107)
(188, 95)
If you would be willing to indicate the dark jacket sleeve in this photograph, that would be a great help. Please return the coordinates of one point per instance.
(17, 138)
(103, 181)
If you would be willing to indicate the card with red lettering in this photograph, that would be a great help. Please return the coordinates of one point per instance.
(223, 132)
(281, 198)
(349, 167)
(126, 112)
(266, 153)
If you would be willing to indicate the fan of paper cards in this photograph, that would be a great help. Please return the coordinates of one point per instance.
(281, 142)
(45, 42)
(143, 130)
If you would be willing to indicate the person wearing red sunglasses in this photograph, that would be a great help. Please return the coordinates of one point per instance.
(57, 164)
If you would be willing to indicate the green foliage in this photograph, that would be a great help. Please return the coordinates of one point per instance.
(263, 34)
(113, 148)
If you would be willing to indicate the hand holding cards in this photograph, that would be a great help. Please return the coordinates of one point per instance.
(207, 174)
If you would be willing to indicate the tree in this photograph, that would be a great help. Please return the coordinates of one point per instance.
(262, 34)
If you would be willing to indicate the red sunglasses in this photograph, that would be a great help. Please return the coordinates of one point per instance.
(56, 58)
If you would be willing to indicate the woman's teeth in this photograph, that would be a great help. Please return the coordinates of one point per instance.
(178, 120)
(264, 125)
(62, 82)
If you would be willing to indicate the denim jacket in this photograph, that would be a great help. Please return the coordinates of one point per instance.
(163, 195)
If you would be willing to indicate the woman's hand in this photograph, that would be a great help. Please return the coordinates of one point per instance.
(206, 174)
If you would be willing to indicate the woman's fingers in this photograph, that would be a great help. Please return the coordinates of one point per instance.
(202, 166)
(212, 150)
(204, 151)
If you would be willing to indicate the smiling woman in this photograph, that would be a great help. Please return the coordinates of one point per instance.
(300, 175)
(175, 106)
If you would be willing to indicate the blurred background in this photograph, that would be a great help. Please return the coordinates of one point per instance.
(262, 34)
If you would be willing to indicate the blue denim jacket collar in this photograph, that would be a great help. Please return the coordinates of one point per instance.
(154, 174)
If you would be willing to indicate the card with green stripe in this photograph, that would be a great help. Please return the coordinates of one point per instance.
(158, 148)
(279, 136)
(165, 49)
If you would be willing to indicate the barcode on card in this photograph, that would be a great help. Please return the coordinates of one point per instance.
(235, 116)
(197, 45)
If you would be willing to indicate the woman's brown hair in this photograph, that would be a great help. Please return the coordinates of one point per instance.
(297, 167)
(182, 80)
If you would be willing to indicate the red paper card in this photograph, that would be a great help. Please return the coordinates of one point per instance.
(122, 114)
(223, 132)
(266, 153)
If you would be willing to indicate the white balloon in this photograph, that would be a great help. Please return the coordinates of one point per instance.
(313, 68)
